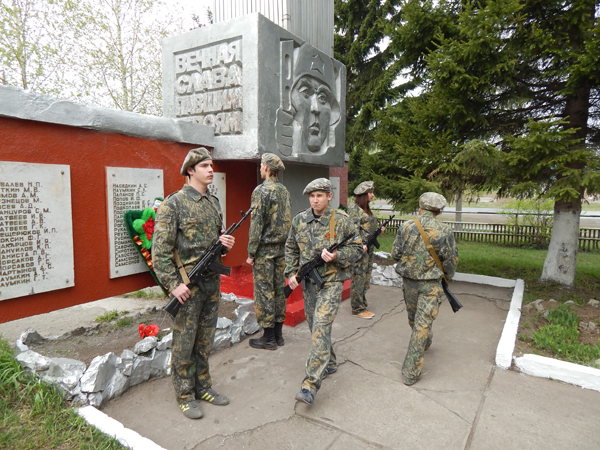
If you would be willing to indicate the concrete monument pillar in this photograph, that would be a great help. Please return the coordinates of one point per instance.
(262, 87)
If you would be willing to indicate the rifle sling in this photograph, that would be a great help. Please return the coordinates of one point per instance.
(331, 237)
(430, 247)
(182, 271)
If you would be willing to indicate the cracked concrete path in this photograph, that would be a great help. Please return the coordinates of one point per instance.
(461, 402)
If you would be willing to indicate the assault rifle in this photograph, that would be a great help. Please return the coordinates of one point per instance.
(309, 269)
(206, 264)
(372, 239)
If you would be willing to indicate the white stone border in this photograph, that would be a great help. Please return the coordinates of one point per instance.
(540, 366)
(115, 429)
(533, 365)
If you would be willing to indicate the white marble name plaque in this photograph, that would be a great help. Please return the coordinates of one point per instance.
(36, 229)
(335, 184)
(218, 189)
(128, 189)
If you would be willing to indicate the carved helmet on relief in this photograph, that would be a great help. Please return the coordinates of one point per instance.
(308, 61)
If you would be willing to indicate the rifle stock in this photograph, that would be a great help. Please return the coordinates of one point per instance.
(206, 264)
(454, 303)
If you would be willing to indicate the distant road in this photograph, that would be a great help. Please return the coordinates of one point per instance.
(590, 219)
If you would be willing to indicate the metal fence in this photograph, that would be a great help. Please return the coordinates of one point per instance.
(503, 234)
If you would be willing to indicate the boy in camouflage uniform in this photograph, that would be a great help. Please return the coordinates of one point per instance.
(310, 235)
(188, 222)
(269, 227)
(366, 223)
(421, 277)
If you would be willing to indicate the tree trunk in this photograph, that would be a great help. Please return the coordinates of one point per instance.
(458, 211)
(561, 259)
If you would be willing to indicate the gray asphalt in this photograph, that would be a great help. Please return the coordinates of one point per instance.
(463, 401)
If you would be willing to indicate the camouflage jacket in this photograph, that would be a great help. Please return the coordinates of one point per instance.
(365, 223)
(415, 261)
(271, 215)
(189, 222)
(309, 236)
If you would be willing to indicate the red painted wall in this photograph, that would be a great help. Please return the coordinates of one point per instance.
(88, 152)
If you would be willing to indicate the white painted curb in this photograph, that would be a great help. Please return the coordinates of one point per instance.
(115, 429)
(540, 366)
(534, 365)
(484, 279)
(508, 339)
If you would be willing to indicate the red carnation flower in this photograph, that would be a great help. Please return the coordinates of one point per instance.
(151, 330)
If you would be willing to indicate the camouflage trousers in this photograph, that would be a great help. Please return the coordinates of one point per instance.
(360, 283)
(193, 336)
(320, 307)
(423, 299)
(269, 281)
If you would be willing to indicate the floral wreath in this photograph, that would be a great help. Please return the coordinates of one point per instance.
(140, 227)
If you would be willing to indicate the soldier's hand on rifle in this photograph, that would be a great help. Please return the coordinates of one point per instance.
(227, 241)
(365, 248)
(328, 257)
(293, 283)
(181, 292)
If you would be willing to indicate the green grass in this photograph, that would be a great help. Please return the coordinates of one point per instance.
(144, 294)
(560, 337)
(124, 322)
(33, 415)
(108, 317)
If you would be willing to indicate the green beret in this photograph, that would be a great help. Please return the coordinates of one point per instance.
(273, 162)
(432, 201)
(193, 157)
(320, 184)
(364, 187)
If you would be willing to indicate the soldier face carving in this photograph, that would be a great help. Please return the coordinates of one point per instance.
(312, 101)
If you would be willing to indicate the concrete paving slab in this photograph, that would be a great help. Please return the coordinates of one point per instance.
(300, 434)
(522, 412)
(61, 321)
(386, 412)
(463, 401)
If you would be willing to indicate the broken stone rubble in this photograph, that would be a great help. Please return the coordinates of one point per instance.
(109, 376)
(385, 275)
(537, 305)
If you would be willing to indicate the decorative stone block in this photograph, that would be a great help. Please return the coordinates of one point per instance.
(33, 361)
(125, 365)
(166, 342)
(145, 345)
(255, 83)
(100, 371)
(142, 366)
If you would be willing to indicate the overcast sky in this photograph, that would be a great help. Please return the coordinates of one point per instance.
(190, 7)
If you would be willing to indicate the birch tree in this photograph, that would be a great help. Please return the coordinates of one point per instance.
(119, 64)
(35, 44)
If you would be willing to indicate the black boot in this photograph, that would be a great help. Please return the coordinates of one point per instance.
(267, 341)
(279, 334)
